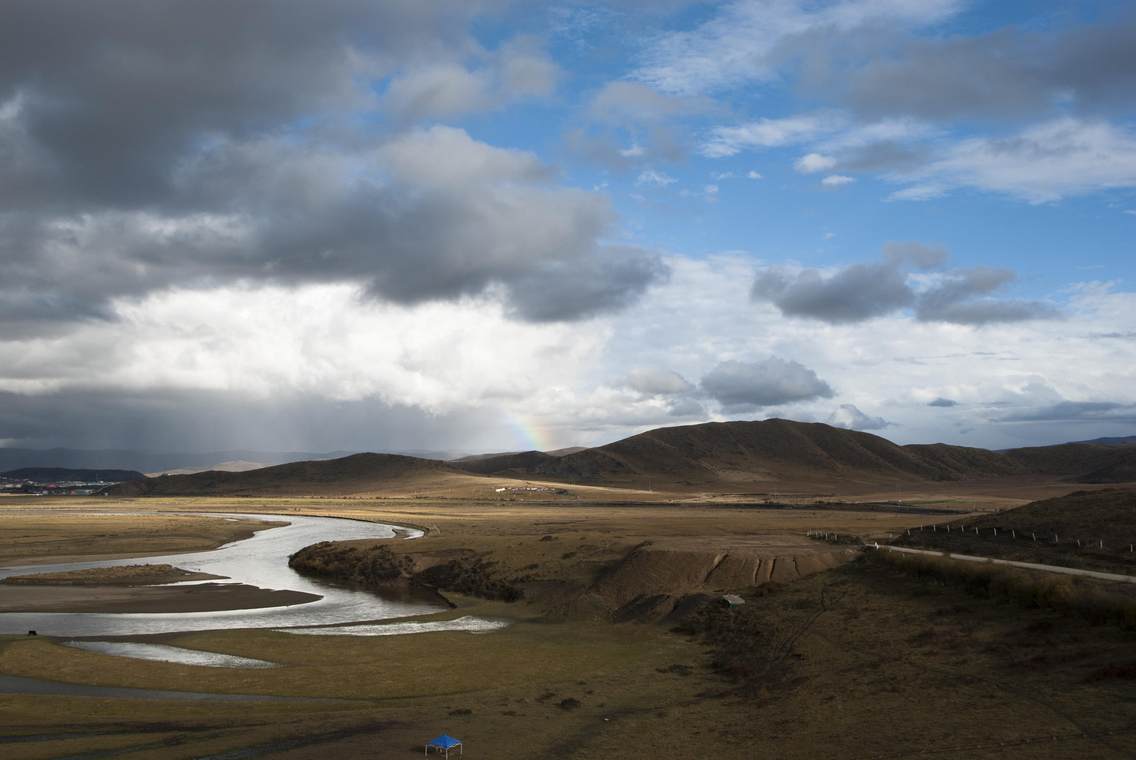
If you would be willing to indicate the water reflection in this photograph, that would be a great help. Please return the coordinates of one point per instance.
(166, 653)
(258, 561)
(468, 624)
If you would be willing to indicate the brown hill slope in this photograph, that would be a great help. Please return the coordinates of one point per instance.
(723, 453)
(1121, 471)
(514, 463)
(358, 473)
(1079, 462)
(769, 450)
(722, 456)
(1107, 515)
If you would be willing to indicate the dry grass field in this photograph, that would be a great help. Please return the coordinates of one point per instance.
(858, 661)
(37, 531)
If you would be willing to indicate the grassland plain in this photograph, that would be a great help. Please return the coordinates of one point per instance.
(859, 661)
(37, 531)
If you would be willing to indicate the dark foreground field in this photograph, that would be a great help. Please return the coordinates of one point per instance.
(863, 660)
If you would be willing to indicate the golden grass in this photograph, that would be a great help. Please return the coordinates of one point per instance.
(61, 533)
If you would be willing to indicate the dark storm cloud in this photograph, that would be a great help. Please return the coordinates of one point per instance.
(862, 291)
(608, 281)
(963, 298)
(853, 294)
(1008, 73)
(745, 386)
(942, 402)
(113, 92)
(179, 420)
(154, 144)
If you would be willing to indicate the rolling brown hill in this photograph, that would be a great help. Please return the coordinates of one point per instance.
(721, 456)
(1079, 462)
(518, 463)
(355, 474)
(769, 450)
(724, 453)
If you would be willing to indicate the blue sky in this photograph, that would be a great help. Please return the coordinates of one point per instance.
(1086, 234)
(491, 225)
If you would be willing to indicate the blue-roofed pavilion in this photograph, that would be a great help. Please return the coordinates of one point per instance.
(444, 743)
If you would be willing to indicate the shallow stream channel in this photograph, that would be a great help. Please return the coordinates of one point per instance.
(261, 561)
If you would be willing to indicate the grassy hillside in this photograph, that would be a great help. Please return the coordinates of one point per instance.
(1092, 529)
(1078, 462)
(738, 452)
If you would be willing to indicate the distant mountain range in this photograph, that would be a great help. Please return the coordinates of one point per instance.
(354, 474)
(63, 474)
(1127, 440)
(720, 456)
(156, 462)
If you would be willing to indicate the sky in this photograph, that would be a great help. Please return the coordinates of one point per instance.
(482, 225)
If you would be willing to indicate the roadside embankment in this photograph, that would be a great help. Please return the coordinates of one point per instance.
(1096, 601)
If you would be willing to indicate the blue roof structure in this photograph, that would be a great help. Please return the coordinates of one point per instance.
(445, 741)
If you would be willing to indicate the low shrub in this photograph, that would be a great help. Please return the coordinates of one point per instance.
(472, 576)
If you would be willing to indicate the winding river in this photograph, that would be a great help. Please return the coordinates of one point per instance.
(261, 560)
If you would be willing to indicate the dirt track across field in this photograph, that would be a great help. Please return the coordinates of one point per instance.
(1094, 574)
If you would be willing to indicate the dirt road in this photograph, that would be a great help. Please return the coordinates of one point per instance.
(1095, 574)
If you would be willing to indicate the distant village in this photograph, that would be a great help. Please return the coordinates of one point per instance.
(517, 490)
(61, 488)
(50, 481)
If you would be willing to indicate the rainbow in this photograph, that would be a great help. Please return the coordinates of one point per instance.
(530, 434)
